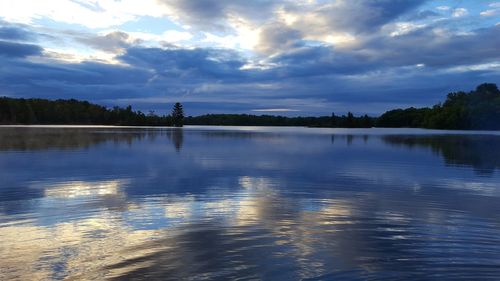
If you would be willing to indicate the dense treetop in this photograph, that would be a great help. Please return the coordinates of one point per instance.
(42, 111)
(478, 109)
(349, 121)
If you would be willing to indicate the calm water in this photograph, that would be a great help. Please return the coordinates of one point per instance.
(248, 203)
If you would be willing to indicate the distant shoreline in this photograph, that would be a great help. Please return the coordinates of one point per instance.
(279, 129)
(475, 110)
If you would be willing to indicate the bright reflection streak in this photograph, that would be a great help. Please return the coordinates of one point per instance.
(83, 247)
(74, 189)
(268, 201)
(255, 183)
(181, 209)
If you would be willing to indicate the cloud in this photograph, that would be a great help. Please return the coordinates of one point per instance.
(490, 13)
(439, 49)
(14, 33)
(443, 8)
(275, 110)
(422, 15)
(176, 62)
(85, 80)
(353, 17)
(343, 24)
(459, 12)
(365, 16)
(307, 78)
(11, 49)
(320, 60)
(169, 37)
(112, 42)
(239, 56)
(493, 11)
(381, 52)
(275, 38)
(91, 14)
(214, 15)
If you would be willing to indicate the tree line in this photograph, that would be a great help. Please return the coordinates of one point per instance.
(478, 109)
(475, 110)
(74, 112)
(344, 121)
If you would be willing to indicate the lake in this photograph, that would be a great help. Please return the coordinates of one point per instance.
(260, 203)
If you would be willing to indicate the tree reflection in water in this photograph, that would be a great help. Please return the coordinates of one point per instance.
(480, 152)
(161, 203)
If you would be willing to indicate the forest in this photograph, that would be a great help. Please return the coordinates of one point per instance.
(74, 112)
(475, 110)
(344, 121)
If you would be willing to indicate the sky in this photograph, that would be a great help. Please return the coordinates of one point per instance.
(286, 57)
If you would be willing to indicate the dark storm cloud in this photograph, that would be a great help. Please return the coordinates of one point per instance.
(82, 74)
(187, 63)
(15, 32)
(321, 60)
(376, 12)
(151, 72)
(12, 49)
(424, 47)
(432, 48)
(87, 80)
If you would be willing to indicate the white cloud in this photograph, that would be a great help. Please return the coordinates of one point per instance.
(72, 55)
(460, 12)
(170, 36)
(339, 39)
(91, 14)
(402, 28)
(495, 10)
(490, 13)
(477, 67)
(443, 8)
(246, 37)
(275, 110)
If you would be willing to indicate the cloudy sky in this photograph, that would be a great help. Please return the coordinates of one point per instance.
(293, 57)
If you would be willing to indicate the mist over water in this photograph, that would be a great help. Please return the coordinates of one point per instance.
(248, 203)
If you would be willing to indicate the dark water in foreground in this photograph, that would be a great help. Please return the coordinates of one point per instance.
(248, 203)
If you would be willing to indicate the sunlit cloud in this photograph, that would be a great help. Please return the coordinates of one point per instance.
(246, 56)
(275, 110)
(443, 8)
(459, 12)
(493, 11)
(91, 14)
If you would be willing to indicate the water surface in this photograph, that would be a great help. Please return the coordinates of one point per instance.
(221, 203)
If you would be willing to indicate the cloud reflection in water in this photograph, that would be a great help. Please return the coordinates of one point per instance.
(143, 206)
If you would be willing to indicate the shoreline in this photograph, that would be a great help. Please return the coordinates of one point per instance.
(278, 129)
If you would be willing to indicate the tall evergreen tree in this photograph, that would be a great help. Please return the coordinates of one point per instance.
(178, 115)
(334, 120)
